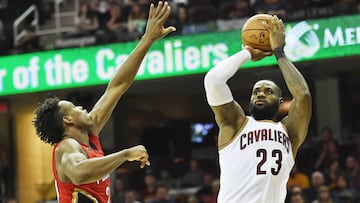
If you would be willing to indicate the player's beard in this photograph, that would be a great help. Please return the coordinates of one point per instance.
(265, 113)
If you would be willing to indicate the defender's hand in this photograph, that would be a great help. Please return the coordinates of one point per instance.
(139, 153)
(155, 24)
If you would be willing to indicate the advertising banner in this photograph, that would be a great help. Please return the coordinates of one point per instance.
(171, 56)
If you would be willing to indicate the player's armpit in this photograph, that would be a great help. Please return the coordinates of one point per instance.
(70, 155)
(229, 117)
(297, 121)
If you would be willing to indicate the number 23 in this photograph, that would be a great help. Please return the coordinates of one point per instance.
(263, 154)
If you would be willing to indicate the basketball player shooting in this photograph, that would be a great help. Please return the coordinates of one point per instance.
(79, 166)
(256, 153)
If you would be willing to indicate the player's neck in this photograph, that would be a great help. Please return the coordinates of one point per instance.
(82, 136)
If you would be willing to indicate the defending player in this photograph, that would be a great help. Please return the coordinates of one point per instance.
(80, 168)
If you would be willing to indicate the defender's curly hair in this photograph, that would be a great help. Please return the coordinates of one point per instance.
(48, 121)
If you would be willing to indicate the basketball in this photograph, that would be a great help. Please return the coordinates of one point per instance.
(254, 33)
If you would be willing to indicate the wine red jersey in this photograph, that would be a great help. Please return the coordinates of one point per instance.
(96, 192)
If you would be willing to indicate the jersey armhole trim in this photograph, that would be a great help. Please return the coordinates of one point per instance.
(288, 135)
(220, 147)
(285, 128)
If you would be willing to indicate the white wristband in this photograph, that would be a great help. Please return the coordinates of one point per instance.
(216, 88)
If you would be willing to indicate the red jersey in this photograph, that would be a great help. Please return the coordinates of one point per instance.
(96, 192)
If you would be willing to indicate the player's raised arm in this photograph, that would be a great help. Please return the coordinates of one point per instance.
(125, 74)
(299, 115)
(229, 114)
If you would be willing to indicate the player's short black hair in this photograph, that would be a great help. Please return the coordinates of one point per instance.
(48, 121)
(279, 91)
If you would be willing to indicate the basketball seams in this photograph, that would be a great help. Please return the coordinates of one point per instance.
(257, 45)
(254, 34)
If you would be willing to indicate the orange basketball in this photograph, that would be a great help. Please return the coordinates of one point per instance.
(254, 34)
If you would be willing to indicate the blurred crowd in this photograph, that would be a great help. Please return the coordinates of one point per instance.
(109, 21)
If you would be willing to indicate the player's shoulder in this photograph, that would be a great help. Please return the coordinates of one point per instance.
(68, 145)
